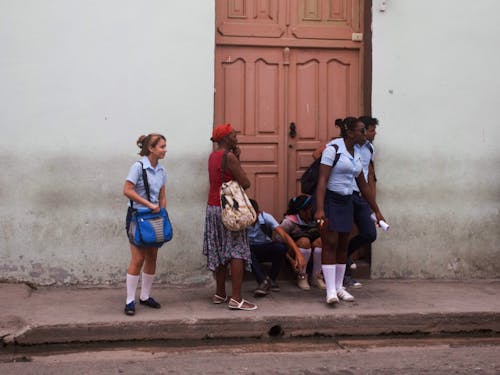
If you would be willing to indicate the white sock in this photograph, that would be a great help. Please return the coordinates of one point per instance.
(316, 261)
(339, 276)
(146, 284)
(329, 276)
(132, 281)
(307, 255)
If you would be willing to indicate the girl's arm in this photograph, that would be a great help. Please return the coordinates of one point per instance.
(369, 196)
(324, 173)
(162, 199)
(299, 258)
(130, 193)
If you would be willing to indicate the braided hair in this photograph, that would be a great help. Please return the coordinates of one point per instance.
(298, 203)
(349, 123)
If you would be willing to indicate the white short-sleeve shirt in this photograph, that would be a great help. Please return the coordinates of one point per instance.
(367, 156)
(347, 168)
(157, 178)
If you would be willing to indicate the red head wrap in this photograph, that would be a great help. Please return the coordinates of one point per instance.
(221, 131)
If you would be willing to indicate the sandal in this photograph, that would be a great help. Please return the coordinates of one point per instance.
(235, 305)
(217, 300)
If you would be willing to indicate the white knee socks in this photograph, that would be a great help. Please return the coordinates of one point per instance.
(147, 283)
(307, 254)
(339, 276)
(316, 260)
(132, 281)
(329, 271)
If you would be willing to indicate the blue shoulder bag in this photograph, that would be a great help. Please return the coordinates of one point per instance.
(149, 229)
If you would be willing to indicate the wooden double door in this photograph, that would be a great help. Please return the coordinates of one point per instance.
(282, 92)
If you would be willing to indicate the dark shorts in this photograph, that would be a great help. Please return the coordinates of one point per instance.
(339, 211)
(311, 233)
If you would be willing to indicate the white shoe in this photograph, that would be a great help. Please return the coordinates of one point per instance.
(317, 281)
(332, 299)
(344, 295)
(302, 282)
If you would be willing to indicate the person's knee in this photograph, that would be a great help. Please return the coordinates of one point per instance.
(137, 262)
(370, 235)
(304, 243)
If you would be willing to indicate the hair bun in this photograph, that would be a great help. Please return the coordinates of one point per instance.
(338, 122)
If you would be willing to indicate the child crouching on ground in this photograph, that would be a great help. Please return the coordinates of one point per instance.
(299, 224)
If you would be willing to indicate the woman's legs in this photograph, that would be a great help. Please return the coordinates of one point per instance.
(237, 270)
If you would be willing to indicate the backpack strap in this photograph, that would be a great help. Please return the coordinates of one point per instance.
(264, 228)
(146, 183)
(370, 147)
(337, 154)
(224, 162)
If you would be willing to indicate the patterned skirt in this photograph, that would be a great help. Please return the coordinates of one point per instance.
(220, 245)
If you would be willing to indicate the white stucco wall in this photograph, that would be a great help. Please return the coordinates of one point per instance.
(80, 81)
(436, 87)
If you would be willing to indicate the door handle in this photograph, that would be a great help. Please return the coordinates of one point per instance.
(293, 130)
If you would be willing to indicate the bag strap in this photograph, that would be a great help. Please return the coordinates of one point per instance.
(146, 183)
(337, 155)
(264, 228)
(224, 162)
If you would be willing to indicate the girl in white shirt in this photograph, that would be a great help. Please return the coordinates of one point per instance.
(334, 211)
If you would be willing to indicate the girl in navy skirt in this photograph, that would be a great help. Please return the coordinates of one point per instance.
(334, 211)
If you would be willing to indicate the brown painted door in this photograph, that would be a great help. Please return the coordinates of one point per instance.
(280, 62)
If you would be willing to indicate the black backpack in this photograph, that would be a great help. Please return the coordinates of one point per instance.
(309, 179)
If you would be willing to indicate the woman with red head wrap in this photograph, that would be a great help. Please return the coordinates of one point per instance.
(222, 246)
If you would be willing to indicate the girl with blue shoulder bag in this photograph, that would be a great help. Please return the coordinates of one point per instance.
(147, 224)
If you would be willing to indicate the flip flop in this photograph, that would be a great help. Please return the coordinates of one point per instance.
(217, 300)
(235, 305)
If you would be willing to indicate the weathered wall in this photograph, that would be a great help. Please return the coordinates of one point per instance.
(435, 90)
(80, 81)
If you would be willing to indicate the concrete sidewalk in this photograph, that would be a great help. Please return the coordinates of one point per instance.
(76, 314)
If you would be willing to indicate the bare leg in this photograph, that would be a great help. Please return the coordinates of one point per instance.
(237, 269)
(150, 260)
(341, 253)
(236, 278)
(329, 244)
(137, 260)
(220, 280)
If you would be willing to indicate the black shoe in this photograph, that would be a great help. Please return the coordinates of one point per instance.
(150, 302)
(262, 290)
(273, 285)
(130, 308)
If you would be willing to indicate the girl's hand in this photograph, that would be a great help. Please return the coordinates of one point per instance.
(319, 217)
(300, 262)
(155, 208)
(379, 217)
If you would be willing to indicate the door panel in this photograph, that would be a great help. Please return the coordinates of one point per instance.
(325, 19)
(326, 87)
(251, 18)
(250, 95)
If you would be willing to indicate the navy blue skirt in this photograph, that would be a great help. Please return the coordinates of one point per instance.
(339, 211)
